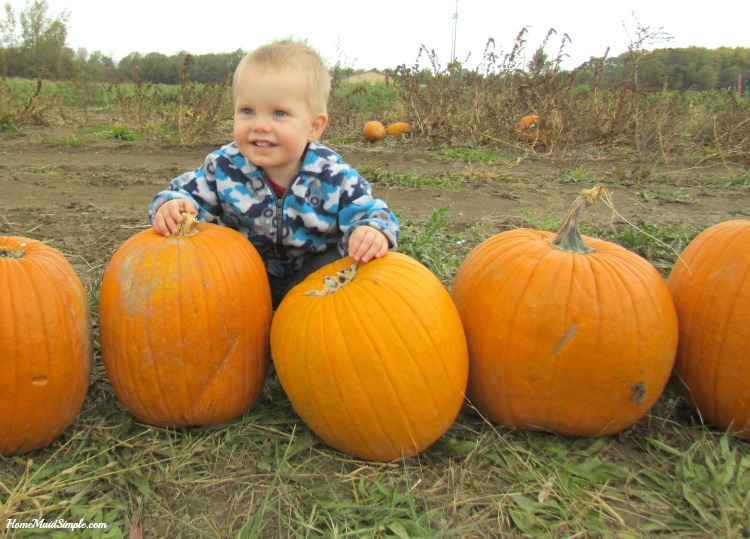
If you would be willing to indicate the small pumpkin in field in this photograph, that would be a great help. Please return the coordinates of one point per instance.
(372, 357)
(529, 130)
(397, 128)
(46, 345)
(184, 324)
(567, 334)
(710, 284)
(373, 131)
(528, 122)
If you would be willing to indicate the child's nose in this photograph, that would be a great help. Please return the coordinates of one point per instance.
(261, 125)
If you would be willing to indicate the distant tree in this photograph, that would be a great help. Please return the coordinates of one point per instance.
(129, 65)
(35, 40)
(734, 63)
(539, 63)
(159, 68)
(95, 66)
(643, 37)
(8, 34)
(212, 67)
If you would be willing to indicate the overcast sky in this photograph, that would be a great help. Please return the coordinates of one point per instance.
(387, 33)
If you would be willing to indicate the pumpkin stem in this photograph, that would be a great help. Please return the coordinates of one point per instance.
(187, 225)
(7, 252)
(568, 238)
(331, 284)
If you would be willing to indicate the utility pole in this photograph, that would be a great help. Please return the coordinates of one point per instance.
(453, 44)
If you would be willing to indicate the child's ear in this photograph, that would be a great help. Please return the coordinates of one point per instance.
(318, 126)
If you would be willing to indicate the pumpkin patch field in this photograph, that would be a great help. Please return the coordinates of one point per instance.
(267, 474)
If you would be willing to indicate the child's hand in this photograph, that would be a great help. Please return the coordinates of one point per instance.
(367, 243)
(169, 215)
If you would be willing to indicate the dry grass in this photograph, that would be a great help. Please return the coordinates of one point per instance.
(267, 475)
(456, 106)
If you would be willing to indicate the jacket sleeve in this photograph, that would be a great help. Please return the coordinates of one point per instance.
(358, 208)
(199, 186)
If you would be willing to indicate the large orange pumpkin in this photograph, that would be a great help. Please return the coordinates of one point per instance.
(372, 357)
(184, 325)
(710, 284)
(373, 131)
(567, 334)
(46, 345)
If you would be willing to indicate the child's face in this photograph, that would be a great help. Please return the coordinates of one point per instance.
(272, 120)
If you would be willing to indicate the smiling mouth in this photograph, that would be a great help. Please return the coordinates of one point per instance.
(263, 144)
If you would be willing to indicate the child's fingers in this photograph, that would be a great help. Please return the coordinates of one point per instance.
(178, 207)
(169, 216)
(367, 243)
(359, 244)
(161, 225)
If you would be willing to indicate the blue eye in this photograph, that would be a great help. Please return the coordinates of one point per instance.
(247, 112)
(279, 113)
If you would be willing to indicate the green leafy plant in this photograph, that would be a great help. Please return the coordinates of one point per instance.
(389, 178)
(483, 155)
(659, 244)
(120, 133)
(431, 243)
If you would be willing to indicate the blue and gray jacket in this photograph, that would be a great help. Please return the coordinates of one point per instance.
(319, 210)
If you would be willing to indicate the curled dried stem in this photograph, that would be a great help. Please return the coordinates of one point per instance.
(187, 226)
(331, 284)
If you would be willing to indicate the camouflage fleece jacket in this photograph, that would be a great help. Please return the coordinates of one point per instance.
(321, 207)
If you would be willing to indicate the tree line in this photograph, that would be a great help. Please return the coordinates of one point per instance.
(691, 68)
(33, 45)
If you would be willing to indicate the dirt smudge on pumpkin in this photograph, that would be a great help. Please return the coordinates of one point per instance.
(639, 392)
(572, 330)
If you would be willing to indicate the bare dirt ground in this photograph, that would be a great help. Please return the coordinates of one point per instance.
(85, 197)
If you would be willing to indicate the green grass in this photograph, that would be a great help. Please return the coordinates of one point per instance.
(267, 475)
(480, 155)
(659, 245)
(740, 178)
(577, 176)
(120, 133)
(432, 245)
(385, 177)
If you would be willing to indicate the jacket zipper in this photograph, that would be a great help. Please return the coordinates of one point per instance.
(279, 208)
(279, 221)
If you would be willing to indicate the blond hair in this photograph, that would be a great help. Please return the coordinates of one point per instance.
(290, 54)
